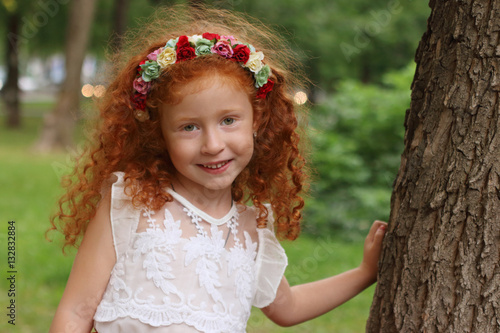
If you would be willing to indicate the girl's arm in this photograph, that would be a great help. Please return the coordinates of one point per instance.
(297, 304)
(89, 275)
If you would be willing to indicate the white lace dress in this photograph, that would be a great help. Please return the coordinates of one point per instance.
(181, 270)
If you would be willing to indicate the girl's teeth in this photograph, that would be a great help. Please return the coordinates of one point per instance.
(215, 166)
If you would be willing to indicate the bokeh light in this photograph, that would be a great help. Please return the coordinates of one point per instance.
(300, 98)
(87, 90)
(99, 91)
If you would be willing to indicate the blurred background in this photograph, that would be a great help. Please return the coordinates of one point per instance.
(357, 53)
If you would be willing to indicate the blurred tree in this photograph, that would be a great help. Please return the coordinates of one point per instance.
(119, 22)
(108, 23)
(58, 126)
(10, 91)
(440, 266)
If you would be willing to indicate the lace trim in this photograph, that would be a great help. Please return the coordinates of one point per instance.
(212, 220)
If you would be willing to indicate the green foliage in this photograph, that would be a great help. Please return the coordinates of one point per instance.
(357, 141)
(334, 40)
(345, 38)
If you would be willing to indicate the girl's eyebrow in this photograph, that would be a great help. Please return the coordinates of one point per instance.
(219, 113)
(183, 118)
(235, 108)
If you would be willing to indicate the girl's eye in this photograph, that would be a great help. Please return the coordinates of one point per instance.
(228, 121)
(189, 128)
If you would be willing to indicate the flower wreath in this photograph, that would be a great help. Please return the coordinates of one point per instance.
(185, 48)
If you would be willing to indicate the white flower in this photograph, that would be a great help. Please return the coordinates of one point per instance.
(194, 39)
(167, 57)
(254, 62)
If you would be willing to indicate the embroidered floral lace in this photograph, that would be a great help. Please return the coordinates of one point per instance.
(181, 270)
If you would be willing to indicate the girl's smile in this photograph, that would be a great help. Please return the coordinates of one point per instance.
(216, 167)
(209, 134)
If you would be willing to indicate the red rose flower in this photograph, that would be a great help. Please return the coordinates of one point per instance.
(262, 92)
(182, 42)
(185, 53)
(210, 36)
(241, 53)
(139, 68)
(139, 101)
(184, 50)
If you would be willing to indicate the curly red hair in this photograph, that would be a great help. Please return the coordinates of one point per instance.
(277, 173)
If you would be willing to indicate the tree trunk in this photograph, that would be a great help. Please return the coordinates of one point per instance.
(59, 125)
(10, 91)
(119, 23)
(439, 270)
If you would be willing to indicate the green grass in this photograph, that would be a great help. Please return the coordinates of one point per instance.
(29, 186)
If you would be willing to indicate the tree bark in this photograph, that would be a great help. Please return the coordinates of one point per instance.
(439, 270)
(11, 92)
(119, 23)
(59, 125)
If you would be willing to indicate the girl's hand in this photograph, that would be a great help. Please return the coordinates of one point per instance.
(294, 305)
(372, 249)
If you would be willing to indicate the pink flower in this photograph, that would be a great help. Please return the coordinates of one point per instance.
(141, 86)
(223, 48)
(228, 38)
(153, 55)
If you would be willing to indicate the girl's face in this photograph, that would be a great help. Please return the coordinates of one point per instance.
(209, 134)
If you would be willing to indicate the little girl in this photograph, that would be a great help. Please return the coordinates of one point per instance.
(195, 169)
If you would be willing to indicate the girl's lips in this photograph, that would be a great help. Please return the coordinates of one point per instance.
(215, 168)
(215, 165)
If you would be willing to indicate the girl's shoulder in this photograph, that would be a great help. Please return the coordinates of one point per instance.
(248, 217)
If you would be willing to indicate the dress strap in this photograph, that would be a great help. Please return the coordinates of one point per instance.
(212, 220)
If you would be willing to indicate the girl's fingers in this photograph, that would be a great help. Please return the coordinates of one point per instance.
(377, 226)
(379, 234)
(382, 226)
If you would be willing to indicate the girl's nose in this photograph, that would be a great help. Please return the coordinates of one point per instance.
(213, 143)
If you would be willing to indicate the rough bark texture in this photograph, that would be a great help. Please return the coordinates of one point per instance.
(10, 91)
(439, 270)
(59, 125)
